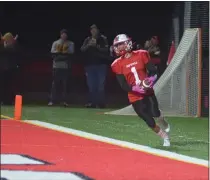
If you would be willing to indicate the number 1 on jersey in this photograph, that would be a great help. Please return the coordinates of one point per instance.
(136, 76)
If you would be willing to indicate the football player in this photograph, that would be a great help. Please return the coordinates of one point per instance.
(137, 75)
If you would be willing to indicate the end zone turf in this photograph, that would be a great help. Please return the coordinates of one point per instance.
(87, 158)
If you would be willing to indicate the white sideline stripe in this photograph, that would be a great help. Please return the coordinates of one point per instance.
(147, 149)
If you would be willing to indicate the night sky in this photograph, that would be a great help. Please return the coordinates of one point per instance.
(38, 23)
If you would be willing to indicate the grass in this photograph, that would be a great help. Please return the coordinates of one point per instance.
(189, 136)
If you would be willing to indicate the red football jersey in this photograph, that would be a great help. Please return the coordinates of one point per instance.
(134, 70)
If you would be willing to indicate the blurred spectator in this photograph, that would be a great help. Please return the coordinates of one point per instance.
(61, 50)
(9, 40)
(96, 51)
(152, 46)
(8, 66)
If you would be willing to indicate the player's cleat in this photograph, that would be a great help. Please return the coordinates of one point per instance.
(166, 142)
(168, 129)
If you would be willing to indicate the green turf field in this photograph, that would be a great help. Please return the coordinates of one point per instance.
(189, 136)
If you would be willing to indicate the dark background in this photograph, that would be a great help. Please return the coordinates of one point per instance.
(38, 24)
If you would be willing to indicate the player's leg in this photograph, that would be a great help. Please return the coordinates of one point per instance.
(55, 83)
(156, 113)
(141, 108)
(152, 106)
(64, 81)
(161, 120)
(91, 78)
(101, 77)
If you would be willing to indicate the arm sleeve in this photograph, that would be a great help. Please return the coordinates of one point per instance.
(71, 48)
(85, 45)
(120, 77)
(53, 49)
(123, 83)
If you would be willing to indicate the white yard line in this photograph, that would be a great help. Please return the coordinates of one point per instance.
(157, 152)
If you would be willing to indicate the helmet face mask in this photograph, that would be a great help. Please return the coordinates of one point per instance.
(122, 44)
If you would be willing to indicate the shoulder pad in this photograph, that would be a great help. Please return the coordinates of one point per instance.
(116, 61)
(141, 51)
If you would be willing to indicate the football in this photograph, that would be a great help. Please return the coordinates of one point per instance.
(146, 83)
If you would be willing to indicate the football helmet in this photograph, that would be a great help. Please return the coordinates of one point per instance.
(122, 44)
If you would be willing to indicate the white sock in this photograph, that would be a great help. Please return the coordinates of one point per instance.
(163, 134)
(162, 122)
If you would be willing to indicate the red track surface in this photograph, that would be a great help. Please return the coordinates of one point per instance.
(95, 159)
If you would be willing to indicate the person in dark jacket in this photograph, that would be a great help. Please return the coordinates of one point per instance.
(96, 51)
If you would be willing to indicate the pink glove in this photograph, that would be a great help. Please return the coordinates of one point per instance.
(138, 89)
(152, 80)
